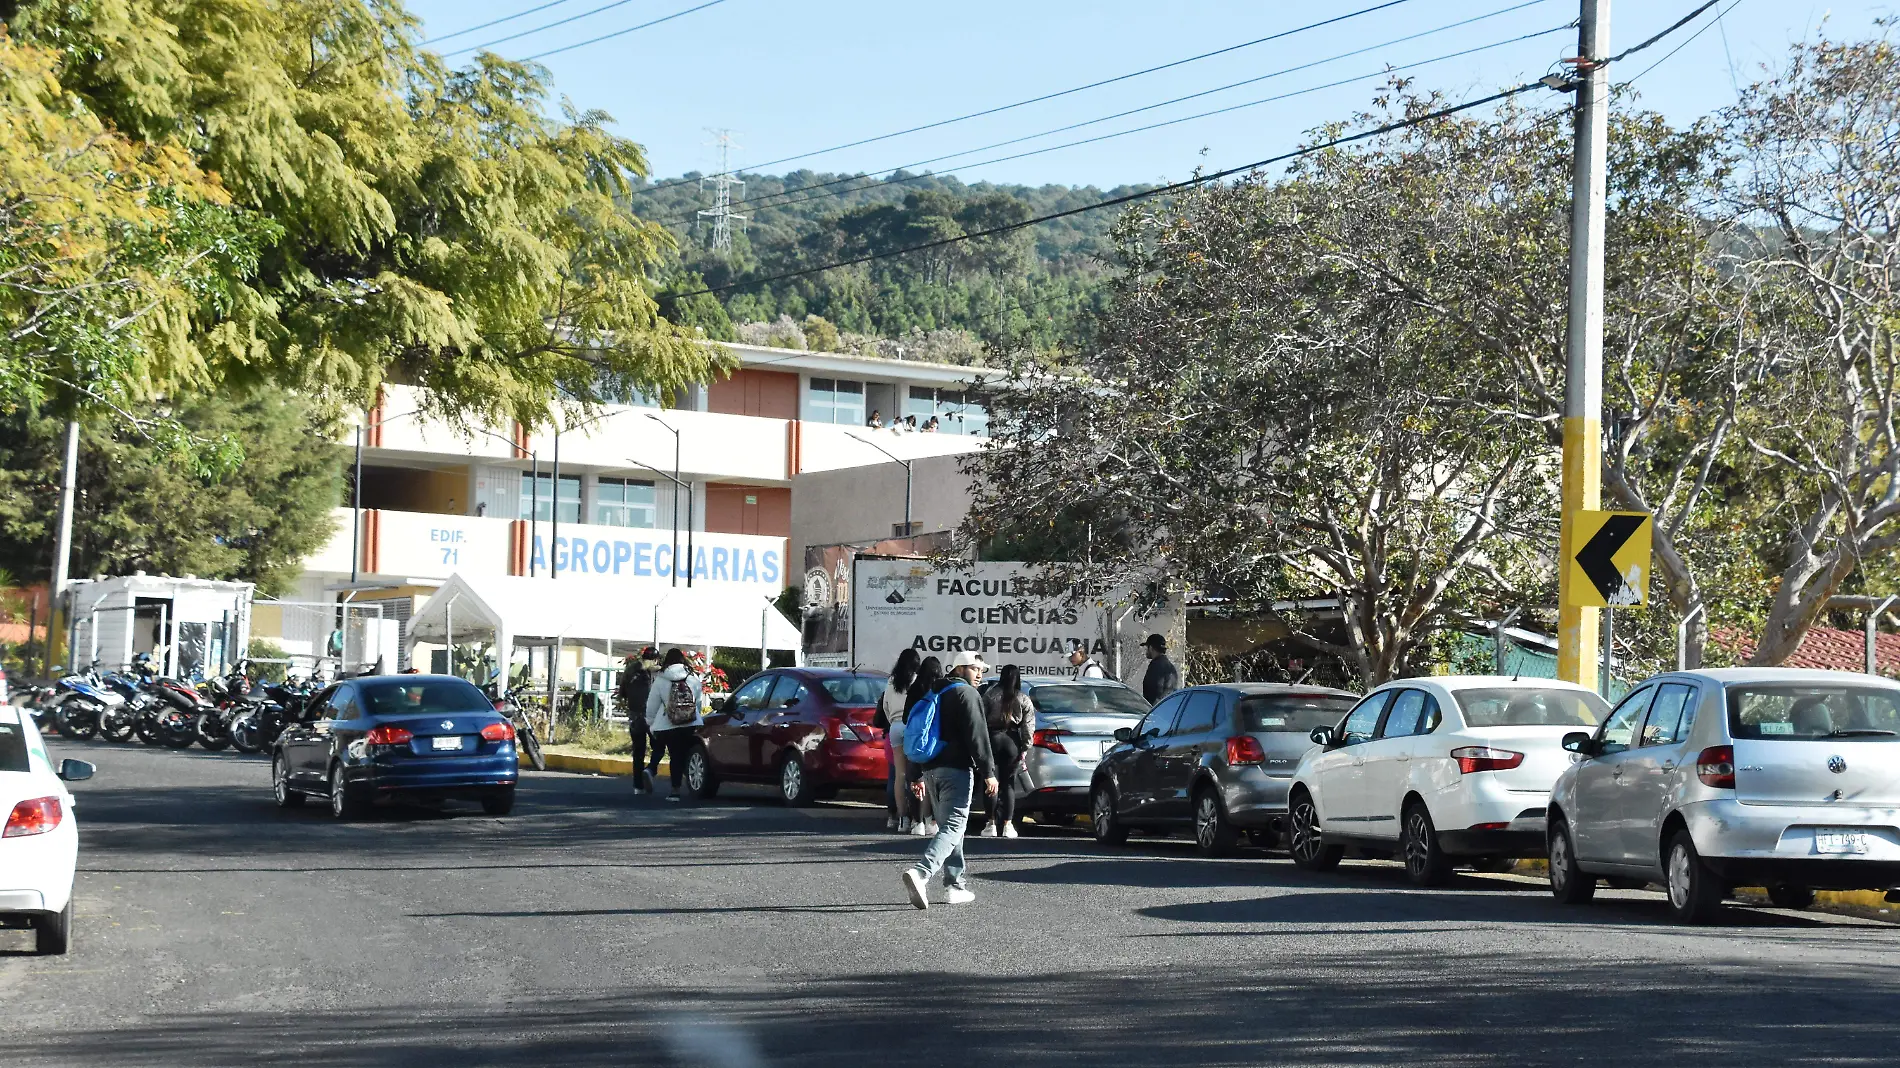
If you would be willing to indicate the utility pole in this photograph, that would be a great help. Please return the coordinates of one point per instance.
(1583, 379)
(723, 184)
(63, 540)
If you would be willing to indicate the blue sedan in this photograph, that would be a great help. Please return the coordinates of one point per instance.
(387, 736)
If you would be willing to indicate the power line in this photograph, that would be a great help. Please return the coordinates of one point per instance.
(496, 22)
(1063, 92)
(538, 29)
(768, 198)
(1666, 56)
(619, 33)
(1198, 180)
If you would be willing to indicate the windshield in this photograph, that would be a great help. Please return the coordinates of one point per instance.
(1795, 712)
(431, 698)
(12, 747)
(1521, 706)
(1059, 699)
(853, 689)
(1298, 713)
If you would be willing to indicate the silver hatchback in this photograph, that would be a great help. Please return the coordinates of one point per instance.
(1707, 780)
(1076, 721)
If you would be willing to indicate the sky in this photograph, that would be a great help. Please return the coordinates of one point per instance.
(793, 77)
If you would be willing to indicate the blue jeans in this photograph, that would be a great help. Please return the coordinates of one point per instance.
(948, 792)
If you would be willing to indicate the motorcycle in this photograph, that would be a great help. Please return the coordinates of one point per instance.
(83, 699)
(509, 703)
(37, 699)
(118, 722)
(266, 711)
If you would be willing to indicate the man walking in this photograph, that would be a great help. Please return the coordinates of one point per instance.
(1163, 678)
(636, 681)
(949, 779)
(1086, 666)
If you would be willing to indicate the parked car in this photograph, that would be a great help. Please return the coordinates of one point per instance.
(1705, 780)
(1219, 758)
(397, 736)
(39, 842)
(807, 729)
(1076, 721)
(1437, 771)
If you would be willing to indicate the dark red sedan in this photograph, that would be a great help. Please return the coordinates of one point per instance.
(806, 729)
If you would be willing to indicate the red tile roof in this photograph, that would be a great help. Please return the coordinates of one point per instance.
(1824, 647)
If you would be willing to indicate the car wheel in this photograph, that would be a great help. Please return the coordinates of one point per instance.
(344, 802)
(499, 803)
(1789, 896)
(280, 783)
(1694, 892)
(1304, 839)
(1568, 883)
(53, 934)
(1425, 863)
(1109, 828)
(794, 785)
(701, 781)
(1213, 835)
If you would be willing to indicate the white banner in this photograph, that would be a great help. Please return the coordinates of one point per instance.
(898, 604)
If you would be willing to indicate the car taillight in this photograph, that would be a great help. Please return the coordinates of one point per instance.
(498, 732)
(1715, 766)
(1245, 749)
(1488, 826)
(387, 735)
(1472, 758)
(34, 816)
(1050, 740)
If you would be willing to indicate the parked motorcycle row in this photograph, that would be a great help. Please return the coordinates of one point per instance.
(235, 711)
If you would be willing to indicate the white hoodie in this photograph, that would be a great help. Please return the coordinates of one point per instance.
(663, 688)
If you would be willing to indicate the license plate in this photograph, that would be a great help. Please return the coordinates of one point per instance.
(1840, 842)
(446, 741)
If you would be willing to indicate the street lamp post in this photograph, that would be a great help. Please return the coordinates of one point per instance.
(677, 483)
(554, 532)
(907, 474)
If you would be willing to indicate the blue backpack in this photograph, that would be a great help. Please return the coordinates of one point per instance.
(923, 727)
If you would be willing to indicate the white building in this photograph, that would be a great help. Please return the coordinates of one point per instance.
(435, 501)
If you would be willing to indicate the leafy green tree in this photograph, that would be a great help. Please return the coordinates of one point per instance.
(137, 510)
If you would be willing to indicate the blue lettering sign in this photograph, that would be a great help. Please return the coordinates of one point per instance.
(663, 567)
(771, 566)
(643, 558)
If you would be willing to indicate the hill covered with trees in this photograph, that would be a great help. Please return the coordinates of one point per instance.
(1031, 288)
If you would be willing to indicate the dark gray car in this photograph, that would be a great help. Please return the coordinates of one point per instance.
(1216, 758)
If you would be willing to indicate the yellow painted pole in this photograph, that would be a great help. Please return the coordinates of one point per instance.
(1583, 385)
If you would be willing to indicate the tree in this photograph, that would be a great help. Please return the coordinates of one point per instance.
(438, 226)
(136, 510)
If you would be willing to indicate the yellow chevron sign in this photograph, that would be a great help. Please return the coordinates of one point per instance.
(1610, 564)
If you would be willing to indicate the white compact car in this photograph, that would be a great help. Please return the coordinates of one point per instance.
(1436, 769)
(39, 841)
(1707, 780)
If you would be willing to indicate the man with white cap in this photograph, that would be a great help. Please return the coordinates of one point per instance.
(949, 779)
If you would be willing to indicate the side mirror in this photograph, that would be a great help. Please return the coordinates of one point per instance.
(75, 770)
(730, 706)
(1322, 736)
(1124, 734)
(1580, 743)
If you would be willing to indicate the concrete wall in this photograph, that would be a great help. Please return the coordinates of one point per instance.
(864, 503)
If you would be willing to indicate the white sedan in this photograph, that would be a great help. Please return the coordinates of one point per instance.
(39, 843)
(1434, 769)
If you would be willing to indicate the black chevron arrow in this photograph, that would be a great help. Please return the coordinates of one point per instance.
(1595, 555)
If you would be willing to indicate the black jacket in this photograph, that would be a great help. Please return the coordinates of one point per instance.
(1162, 679)
(635, 682)
(965, 732)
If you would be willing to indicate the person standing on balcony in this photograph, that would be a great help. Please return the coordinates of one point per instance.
(876, 422)
(675, 710)
(1162, 677)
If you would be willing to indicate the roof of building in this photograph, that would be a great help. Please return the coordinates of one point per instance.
(850, 363)
(1824, 648)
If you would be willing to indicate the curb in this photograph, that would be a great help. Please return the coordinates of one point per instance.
(1869, 900)
(590, 765)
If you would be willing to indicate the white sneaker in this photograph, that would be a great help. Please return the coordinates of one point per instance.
(914, 887)
(920, 829)
(1009, 831)
(956, 895)
(988, 831)
(930, 829)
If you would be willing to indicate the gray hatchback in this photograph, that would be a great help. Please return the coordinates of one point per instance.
(1217, 758)
(1076, 721)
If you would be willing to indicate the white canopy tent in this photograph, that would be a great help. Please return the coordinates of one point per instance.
(600, 614)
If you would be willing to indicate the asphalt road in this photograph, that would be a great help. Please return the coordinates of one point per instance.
(594, 928)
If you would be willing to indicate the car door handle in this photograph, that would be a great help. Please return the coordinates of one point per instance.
(1617, 773)
(1669, 765)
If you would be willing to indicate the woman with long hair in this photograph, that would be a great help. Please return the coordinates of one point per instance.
(890, 709)
(674, 713)
(929, 673)
(1012, 720)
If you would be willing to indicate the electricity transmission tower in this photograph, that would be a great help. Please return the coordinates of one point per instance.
(723, 183)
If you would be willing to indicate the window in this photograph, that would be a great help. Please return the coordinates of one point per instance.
(343, 704)
(1671, 716)
(751, 697)
(537, 497)
(1619, 729)
(1161, 718)
(1796, 712)
(436, 697)
(1296, 715)
(1361, 720)
(1198, 717)
(625, 502)
(13, 747)
(787, 692)
(836, 400)
(1525, 706)
(1407, 715)
(957, 412)
(854, 689)
(1081, 698)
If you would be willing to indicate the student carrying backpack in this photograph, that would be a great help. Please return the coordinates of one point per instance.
(673, 714)
(947, 742)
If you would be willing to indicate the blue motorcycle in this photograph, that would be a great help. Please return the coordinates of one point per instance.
(82, 701)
